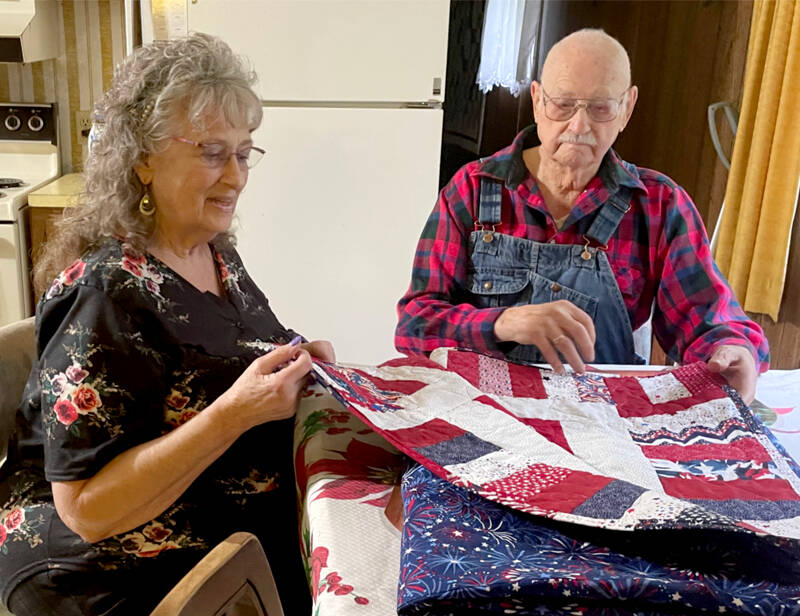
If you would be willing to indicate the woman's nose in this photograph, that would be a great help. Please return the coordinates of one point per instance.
(234, 173)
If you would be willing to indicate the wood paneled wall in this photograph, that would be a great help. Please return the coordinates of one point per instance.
(684, 56)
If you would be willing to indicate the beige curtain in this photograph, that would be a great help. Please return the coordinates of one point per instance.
(761, 195)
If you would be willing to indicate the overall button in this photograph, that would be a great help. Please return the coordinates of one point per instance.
(488, 237)
(555, 287)
(487, 285)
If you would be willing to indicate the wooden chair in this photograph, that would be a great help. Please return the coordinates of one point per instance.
(233, 579)
(17, 352)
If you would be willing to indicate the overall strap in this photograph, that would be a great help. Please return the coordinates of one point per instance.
(491, 199)
(609, 215)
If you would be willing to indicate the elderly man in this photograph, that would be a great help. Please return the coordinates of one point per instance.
(556, 249)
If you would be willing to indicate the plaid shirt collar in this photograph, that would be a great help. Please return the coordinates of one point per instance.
(507, 165)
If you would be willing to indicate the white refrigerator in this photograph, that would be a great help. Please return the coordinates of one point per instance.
(352, 94)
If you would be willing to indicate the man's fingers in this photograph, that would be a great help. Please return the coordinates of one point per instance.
(737, 365)
(747, 391)
(582, 339)
(579, 328)
(719, 362)
(567, 349)
(588, 325)
(551, 356)
(552, 326)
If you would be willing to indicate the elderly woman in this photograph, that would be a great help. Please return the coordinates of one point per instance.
(158, 417)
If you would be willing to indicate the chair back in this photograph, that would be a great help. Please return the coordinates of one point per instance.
(233, 579)
(17, 353)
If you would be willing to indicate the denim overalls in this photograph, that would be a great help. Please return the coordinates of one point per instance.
(513, 271)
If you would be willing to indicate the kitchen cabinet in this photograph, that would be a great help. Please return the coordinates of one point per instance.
(45, 207)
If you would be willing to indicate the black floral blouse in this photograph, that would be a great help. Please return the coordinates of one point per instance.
(127, 351)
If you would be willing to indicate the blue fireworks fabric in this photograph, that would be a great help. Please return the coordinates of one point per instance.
(463, 554)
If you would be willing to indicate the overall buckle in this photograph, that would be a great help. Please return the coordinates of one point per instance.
(488, 235)
(587, 254)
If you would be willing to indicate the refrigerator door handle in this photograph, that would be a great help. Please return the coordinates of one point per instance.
(431, 104)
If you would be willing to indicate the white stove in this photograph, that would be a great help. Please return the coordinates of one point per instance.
(29, 159)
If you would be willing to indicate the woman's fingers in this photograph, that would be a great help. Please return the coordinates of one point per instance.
(298, 368)
(321, 349)
(272, 361)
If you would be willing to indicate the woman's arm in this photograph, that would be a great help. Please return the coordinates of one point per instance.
(142, 482)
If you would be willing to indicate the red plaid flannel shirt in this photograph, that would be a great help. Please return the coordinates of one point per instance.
(659, 252)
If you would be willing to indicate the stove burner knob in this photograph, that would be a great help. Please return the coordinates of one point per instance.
(35, 123)
(13, 122)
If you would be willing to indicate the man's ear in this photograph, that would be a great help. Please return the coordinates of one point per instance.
(536, 93)
(630, 103)
(144, 170)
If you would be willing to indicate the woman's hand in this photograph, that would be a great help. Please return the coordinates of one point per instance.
(321, 349)
(268, 390)
(140, 483)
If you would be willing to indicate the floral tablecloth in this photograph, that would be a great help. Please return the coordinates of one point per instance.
(348, 484)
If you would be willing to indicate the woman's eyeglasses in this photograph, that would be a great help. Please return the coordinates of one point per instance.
(560, 109)
(217, 155)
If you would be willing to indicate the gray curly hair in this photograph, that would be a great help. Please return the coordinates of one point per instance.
(155, 90)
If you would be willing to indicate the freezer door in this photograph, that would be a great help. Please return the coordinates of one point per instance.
(329, 220)
(335, 50)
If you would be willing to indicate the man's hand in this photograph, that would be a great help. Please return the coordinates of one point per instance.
(553, 327)
(737, 365)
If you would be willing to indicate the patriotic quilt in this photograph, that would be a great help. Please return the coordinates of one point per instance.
(526, 477)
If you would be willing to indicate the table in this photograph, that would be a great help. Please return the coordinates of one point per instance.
(351, 512)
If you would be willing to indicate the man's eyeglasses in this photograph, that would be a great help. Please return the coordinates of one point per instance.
(560, 109)
(217, 155)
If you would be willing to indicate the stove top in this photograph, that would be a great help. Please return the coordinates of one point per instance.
(29, 156)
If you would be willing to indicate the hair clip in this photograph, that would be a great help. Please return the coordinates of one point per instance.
(142, 114)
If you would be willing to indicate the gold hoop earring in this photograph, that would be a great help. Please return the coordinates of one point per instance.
(146, 207)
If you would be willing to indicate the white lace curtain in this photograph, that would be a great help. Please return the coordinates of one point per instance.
(508, 44)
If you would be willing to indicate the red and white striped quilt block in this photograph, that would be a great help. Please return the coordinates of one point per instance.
(675, 450)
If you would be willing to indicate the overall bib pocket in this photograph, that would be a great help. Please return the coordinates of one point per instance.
(547, 290)
(493, 287)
